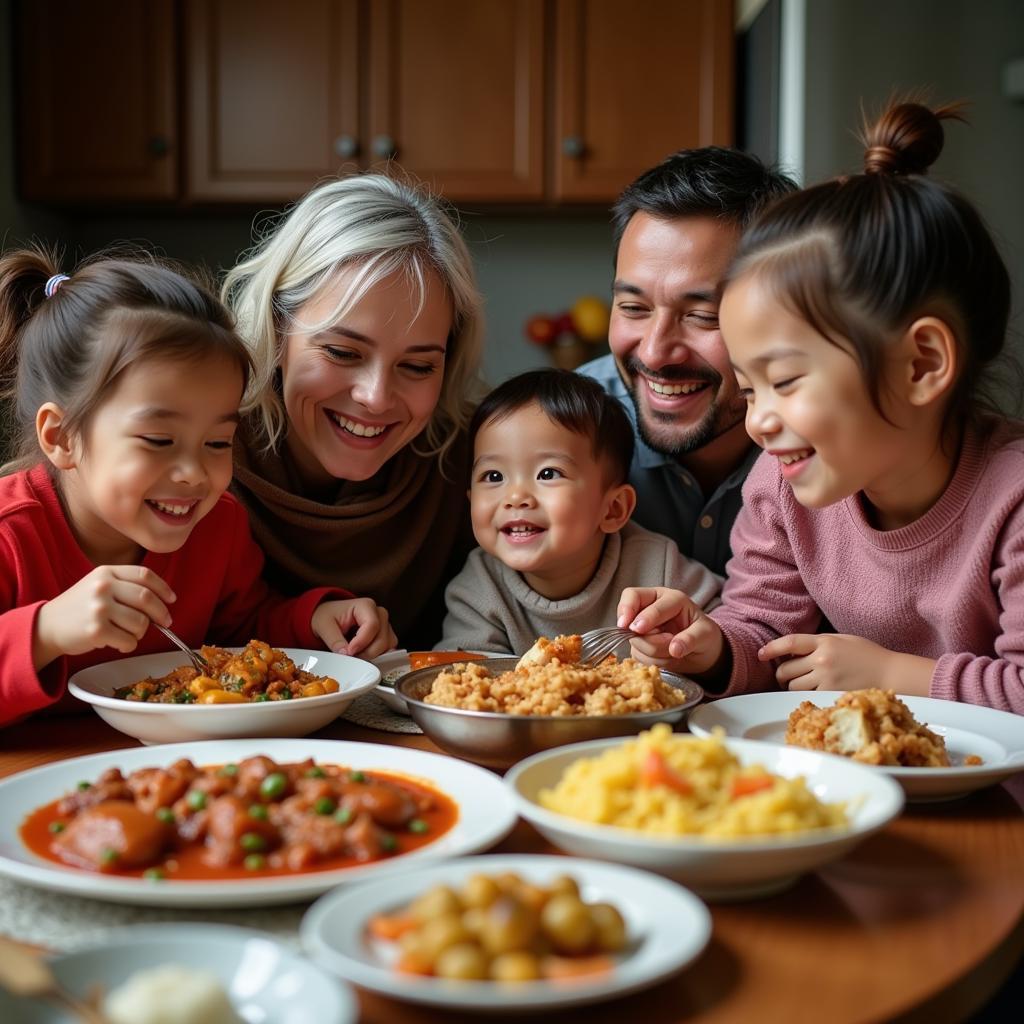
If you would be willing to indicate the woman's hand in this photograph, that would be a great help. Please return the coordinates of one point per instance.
(838, 661)
(111, 607)
(334, 620)
(676, 634)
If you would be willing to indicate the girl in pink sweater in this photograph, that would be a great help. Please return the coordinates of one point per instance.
(860, 316)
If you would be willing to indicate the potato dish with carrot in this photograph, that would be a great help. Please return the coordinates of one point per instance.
(667, 785)
(258, 672)
(503, 928)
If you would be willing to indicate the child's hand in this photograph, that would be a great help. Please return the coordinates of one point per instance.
(838, 661)
(333, 620)
(676, 634)
(111, 607)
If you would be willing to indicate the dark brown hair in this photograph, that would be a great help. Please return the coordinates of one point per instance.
(110, 313)
(862, 257)
(572, 401)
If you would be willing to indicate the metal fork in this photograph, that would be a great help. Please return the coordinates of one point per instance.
(599, 643)
(200, 664)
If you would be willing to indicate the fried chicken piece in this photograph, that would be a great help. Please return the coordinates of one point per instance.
(566, 649)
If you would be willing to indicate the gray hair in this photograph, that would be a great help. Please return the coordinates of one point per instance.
(378, 226)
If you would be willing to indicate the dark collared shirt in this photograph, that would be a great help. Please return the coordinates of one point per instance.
(669, 499)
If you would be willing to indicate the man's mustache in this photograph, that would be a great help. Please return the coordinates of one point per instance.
(635, 368)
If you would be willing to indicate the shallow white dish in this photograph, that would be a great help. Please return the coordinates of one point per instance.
(715, 868)
(177, 723)
(265, 981)
(668, 927)
(997, 737)
(486, 815)
(393, 666)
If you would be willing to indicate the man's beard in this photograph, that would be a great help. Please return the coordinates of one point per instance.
(717, 420)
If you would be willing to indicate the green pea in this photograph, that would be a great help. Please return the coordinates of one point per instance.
(286, 695)
(342, 815)
(57, 826)
(274, 785)
(165, 814)
(357, 777)
(261, 697)
(315, 773)
(109, 856)
(196, 799)
(388, 843)
(254, 862)
(418, 825)
(253, 842)
(83, 786)
(324, 805)
(258, 811)
(229, 770)
(154, 874)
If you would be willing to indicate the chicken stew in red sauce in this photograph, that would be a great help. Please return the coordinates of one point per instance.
(236, 820)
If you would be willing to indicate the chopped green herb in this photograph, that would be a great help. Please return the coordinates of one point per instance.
(57, 826)
(357, 777)
(286, 694)
(324, 805)
(185, 697)
(154, 874)
(83, 786)
(109, 856)
(342, 815)
(165, 814)
(418, 825)
(388, 843)
(196, 799)
(254, 862)
(261, 697)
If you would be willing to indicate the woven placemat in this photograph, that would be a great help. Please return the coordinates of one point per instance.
(370, 711)
(59, 921)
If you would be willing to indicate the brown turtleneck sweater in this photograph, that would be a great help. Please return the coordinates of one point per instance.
(398, 537)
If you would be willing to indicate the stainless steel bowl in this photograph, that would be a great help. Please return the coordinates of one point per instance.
(500, 740)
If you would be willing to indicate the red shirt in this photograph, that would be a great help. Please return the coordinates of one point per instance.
(216, 575)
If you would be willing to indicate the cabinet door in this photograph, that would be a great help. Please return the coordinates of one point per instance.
(272, 96)
(97, 100)
(635, 82)
(456, 94)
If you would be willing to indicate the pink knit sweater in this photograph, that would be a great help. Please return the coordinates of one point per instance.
(949, 586)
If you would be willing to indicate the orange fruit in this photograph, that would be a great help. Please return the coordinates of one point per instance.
(590, 318)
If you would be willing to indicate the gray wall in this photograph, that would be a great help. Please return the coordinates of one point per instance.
(862, 51)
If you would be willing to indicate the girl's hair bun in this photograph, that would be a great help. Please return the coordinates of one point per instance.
(906, 139)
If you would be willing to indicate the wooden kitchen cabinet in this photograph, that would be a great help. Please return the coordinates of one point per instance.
(97, 100)
(272, 96)
(542, 102)
(634, 82)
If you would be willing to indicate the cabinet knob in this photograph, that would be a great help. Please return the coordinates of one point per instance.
(158, 146)
(384, 146)
(572, 146)
(346, 146)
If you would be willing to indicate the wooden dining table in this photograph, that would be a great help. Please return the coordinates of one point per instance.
(921, 922)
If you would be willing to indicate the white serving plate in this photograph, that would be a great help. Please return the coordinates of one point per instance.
(715, 868)
(486, 815)
(177, 723)
(396, 664)
(668, 927)
(264, 980)
(997, 737)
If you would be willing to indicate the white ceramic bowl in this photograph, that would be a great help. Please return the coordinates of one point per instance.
(264, 980)
(718, 869)
(667, 929)
(177, 723)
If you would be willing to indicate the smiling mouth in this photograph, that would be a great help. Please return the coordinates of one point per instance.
(521, 531)
(174, 509)
(354, 428)
(672, 390)
(788, 458)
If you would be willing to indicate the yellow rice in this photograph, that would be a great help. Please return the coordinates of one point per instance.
(610, 789)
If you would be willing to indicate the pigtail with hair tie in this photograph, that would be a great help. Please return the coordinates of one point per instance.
(51, 286)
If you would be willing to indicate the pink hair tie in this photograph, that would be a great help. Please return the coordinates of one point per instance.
(54, 283)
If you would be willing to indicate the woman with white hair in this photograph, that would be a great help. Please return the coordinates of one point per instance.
(364, 321)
